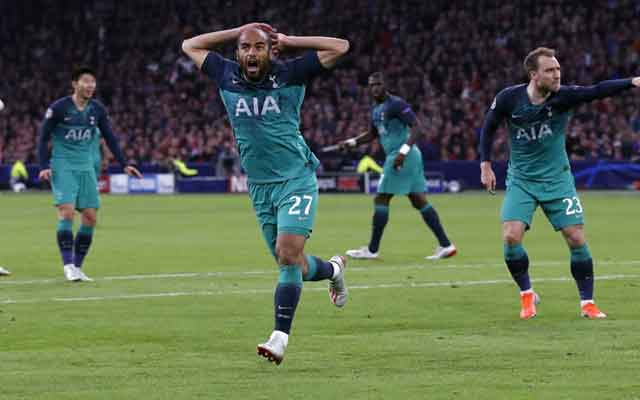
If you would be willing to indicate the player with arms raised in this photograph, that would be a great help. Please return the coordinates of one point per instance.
(263, 98)
(73, 123)
(392, 122)
(539, 172)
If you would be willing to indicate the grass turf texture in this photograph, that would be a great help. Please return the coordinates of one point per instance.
(184, 292)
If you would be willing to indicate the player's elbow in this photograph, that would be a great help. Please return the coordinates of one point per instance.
(187, 47)
(343, 47)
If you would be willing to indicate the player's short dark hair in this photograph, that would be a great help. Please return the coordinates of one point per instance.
(531, 60)
(81, 70)
(377, 75)
(258, 29)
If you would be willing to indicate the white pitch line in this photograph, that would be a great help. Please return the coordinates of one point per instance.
(370, 268)
(315, 289)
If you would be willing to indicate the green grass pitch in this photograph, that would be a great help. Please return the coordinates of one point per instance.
(183, 292)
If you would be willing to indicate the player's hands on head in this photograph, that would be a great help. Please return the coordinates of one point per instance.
(258, 25)
(487, 177)
(45, 174)
(132, 171)
(399, 160)
(279, 42)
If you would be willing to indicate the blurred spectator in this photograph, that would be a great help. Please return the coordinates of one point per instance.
(19, 176)
(447, 58)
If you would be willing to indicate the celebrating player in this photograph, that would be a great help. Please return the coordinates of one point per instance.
(263, 97)
(539, 172)
(73, 122)
(403, 172)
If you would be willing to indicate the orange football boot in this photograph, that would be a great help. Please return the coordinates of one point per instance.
(528, 303)
(591, 311)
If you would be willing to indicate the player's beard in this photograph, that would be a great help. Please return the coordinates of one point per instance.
(379, 97)
(545, 88)
(549, 87)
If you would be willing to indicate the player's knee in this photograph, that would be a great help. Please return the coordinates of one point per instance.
(511, 236)
(512, 239)
(575, 238)
(66, 213)
(288, 255)
(89, 219)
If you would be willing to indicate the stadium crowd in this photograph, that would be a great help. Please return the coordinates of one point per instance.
(448, 58)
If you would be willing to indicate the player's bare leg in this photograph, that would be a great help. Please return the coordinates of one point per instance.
(517, 261)
(380, 219)
(430, 217)
(582, 270)
(64, 235)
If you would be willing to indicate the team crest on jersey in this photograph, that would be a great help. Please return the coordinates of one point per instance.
(92, 120)
(272, 78)
(549, 111)
(382, 116)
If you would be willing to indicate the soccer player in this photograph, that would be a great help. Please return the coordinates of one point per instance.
(73, 122)
(539, 173)
(263, 97)
(403, 172)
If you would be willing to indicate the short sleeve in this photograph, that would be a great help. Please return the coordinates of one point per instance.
(305, 67)
(402, 110)
(54, 113)
(214, 66)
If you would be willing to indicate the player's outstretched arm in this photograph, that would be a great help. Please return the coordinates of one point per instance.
(329, 49)
(199, 46)
(575, 95)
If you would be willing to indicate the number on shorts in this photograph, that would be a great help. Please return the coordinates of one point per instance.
(573, 205)
(297, 200)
